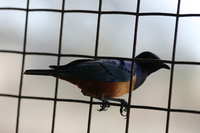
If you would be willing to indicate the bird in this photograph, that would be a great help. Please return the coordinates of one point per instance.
(105, 79)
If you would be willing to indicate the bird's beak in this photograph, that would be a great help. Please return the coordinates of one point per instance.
(165, 66)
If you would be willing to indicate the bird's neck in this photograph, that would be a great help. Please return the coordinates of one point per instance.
(141, 76)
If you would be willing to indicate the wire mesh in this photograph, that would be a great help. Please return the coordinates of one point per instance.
(59, 54)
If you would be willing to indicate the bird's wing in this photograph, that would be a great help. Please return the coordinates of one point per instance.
(100, 70)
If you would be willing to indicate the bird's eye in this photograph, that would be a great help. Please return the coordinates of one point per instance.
(150, 57)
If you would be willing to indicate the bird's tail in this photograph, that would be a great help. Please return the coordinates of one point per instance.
(41, 72)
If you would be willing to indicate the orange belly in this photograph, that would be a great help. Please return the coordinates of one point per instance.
(101, 89)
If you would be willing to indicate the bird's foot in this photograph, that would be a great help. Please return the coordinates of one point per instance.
(104, 106)
(105, 103)
(123, 108)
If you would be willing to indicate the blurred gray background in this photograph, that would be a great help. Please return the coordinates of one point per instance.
(155, 33)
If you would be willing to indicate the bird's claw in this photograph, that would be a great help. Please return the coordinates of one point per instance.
(104, 106)
(123, 108)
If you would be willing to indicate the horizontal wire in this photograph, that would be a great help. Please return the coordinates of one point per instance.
(100, 57)
(105, 12)
(98, 103)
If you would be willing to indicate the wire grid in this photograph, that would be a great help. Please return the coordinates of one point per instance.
(137, 14)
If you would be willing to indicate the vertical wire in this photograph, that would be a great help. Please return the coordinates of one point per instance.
(89, 115)
(172, 67)
(22, 68)
(95, 56)
(98, 30)
(58, 63)
(132, 69)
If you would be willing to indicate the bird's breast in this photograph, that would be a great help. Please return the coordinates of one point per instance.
(101, 89)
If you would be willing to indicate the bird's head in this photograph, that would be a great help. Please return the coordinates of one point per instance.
(150, 67)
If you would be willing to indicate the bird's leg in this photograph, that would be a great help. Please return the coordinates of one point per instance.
(123, 107)
(105, 104)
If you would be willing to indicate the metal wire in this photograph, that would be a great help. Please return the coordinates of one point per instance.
(133, 56)
(172, 67)
(58, 63)
(137, 14)
(22, 68)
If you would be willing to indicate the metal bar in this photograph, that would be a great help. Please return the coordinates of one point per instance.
(172, 68)
(104, 12)
(95, 57)
(22, 69)
(132, 69)
(58, 63)
(98, 103)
